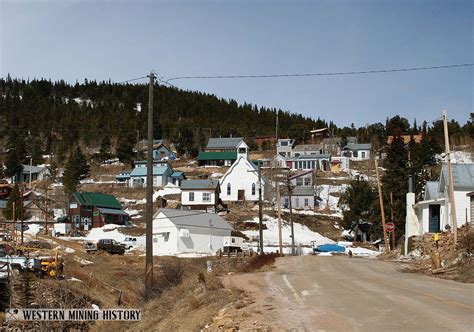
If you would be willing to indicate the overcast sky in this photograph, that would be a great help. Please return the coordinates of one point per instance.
(126, 39)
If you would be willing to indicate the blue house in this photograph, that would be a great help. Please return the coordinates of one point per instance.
(163, 174)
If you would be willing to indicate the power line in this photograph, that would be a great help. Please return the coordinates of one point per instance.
(322, 74)
(133, 79)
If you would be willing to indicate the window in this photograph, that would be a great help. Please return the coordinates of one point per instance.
(299, 181)
(228, 189)
(287, 202)
(307, 181)
(206, 197)
(306, 202)
(76, 220)
(284, 143)
(297, 202)
(191, 197)
(242, 150)
(362, 155)
(155, 240)
(253, 189)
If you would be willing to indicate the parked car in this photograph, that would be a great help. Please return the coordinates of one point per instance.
(111, 246)
(129, 242)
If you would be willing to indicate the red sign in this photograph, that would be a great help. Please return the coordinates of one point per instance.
(390, 226)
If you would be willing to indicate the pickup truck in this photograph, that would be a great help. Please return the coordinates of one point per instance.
(109, 245)
(129, 242)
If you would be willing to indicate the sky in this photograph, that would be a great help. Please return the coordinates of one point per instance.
(120, 40)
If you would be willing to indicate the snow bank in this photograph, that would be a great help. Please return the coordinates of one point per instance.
(357, 251)
(303, 235)
(169, 189)
(109, 231)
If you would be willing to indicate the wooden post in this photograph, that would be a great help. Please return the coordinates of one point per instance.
(46, 205)
(392, 219)
(280, 240)
(31, 165)
(14, 221)
(450, 179)
(382, 212)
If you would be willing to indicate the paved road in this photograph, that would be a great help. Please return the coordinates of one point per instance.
(339, 293)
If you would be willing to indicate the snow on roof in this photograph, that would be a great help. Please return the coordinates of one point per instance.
(196, 219)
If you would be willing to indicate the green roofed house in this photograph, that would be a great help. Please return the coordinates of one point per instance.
(87, 210)
(223, 151)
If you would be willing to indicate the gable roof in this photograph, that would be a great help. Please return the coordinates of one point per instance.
(224, 143)
(308, 147)
(463, 176)
(199, 184)
(34, 169)
(251, 166)
(216, 155)
(97, 199)
(157, 170)
(359, 146)
(432, 190)
(183, 218)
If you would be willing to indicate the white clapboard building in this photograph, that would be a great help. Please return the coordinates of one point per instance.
(188, 233)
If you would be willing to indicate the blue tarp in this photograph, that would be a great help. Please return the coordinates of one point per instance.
(329, 248)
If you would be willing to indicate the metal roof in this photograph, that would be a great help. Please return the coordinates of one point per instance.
(34, 169)
(97, 199)
(199, 184)
(216, 155)
(177, 174)
(112, 211)
(184, 218)
(308, 147)
(141, 171)
(301, 191)
(463, 176)
(224, 143)
(361, 146)
(311, 157)
(432, 190)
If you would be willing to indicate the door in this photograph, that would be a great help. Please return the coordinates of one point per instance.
(434, 218)
(241, 195)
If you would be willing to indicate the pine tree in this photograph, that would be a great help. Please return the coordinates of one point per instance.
(16, 155)
(395, 181)
(15, 197)
(359, 198)
(76, 169)
(34, 149)
(125, 146)
(105, 148)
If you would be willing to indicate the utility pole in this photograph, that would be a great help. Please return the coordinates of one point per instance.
(276, 127)
(260, 213)
(21, 215)
(31, 165)
(46, 204)
(291, 217)
(382, 211)
(149, 189)
(450, 179)
(392, 219)
(14, 221)
(138, 144)
(280, 240)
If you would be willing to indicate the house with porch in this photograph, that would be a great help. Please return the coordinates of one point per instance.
(284, 147)
(223, 151)
(36, 172)
(202, 195)
(87, 210)
(163, 174)
(319, 162)
(434, 211)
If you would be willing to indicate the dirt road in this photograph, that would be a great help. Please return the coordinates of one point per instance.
(338, 293)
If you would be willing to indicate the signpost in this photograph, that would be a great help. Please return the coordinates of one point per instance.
(391, 229)
(390, 226)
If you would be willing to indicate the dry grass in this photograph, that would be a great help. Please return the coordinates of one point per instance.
(256, 263)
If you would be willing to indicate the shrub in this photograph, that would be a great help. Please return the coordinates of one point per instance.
(257, 262)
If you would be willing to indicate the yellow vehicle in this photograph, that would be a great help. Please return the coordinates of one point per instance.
(52, 267)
